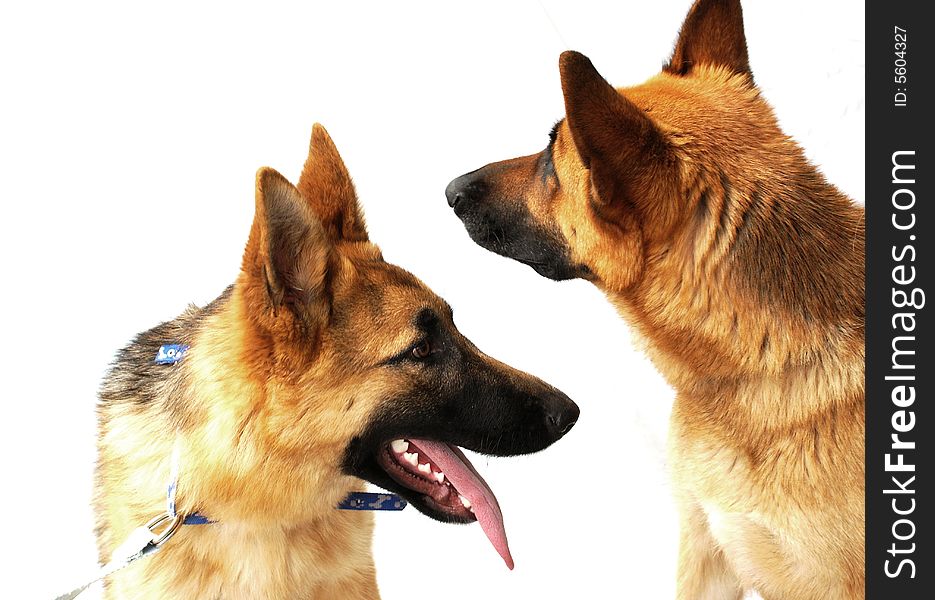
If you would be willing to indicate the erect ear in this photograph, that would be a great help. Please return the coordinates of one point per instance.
(711, 34)
(327, 185)
(618, 143)
(288, 253)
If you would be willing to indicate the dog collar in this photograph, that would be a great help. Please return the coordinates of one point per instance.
(354, 501)
(372, 501)
(169, 354)
(146, 540)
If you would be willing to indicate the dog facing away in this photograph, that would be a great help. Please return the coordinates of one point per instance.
(322, 366)
(742, 270)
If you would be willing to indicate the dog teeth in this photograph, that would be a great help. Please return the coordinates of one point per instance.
(412, 458)
(426, 468)
(439, 477)
(465, 502)
(399, 446)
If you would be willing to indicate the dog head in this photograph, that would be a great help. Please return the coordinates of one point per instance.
(364, 371)
(621, 170)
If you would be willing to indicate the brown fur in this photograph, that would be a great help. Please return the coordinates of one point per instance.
(741, 269)
(287, 372)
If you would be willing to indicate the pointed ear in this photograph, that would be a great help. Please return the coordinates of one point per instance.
(617, 141)
(711, 34)
(327, 185)
(288, 252)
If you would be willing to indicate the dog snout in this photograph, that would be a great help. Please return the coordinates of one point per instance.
(561, 414)
(465, 191)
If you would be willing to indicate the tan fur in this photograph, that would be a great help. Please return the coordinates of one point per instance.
(246, 456)
(239, 447)
(767, 429)
(285, 372)
(741, 271)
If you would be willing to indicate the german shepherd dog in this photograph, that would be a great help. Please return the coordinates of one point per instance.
(742, 270)
(320, 367)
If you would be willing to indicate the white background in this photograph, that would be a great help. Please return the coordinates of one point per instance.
(129, 139)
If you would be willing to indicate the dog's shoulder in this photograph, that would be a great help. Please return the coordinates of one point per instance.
(135, 376)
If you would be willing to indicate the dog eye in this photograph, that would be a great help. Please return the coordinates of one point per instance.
(422, 350)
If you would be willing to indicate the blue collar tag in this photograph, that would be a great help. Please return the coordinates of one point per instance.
(169, 354)
(197, 519)
(371, 501)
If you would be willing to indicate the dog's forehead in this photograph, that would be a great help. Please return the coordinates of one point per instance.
(709, 91)
(385, 292)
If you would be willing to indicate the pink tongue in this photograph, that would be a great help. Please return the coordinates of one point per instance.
(461, 473)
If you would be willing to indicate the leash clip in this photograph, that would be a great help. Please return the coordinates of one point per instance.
(175, 521)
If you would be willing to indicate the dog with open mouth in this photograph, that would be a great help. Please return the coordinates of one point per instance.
(320, 368)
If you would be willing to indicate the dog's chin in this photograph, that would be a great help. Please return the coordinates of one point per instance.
(555, 272)
(550, 267)
(543, 258)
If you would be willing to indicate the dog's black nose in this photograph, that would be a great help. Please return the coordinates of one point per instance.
(464, 191)
(561, 414)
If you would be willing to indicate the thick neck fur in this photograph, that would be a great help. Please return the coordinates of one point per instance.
(277, 533)
(758, 297)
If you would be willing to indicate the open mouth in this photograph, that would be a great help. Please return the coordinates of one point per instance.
(448, 483)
